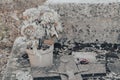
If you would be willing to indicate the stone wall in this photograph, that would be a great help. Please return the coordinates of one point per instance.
(88, 22)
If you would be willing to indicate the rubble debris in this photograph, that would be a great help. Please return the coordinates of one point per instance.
(20, 75)
(90, 56)
(14, 16)
(32, 32)
(113, 76)
(114, 67)
(112, 55)
(30, 15)
(39, 22)
(25, 56)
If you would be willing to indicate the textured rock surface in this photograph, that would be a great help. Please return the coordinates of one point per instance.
(88, 22)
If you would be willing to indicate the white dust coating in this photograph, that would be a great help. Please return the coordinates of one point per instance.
(81, 1)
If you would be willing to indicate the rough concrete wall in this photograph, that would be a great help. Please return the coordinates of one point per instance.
(88, 22)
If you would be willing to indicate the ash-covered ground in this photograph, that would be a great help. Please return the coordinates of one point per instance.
(107, 53)
(9, 27)
(9, 30)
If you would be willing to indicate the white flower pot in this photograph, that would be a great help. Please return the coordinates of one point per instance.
(41, 58)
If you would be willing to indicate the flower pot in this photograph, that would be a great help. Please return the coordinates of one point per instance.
(41, 58)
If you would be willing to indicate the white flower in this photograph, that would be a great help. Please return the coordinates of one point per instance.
(31, 14)
(28, 30)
